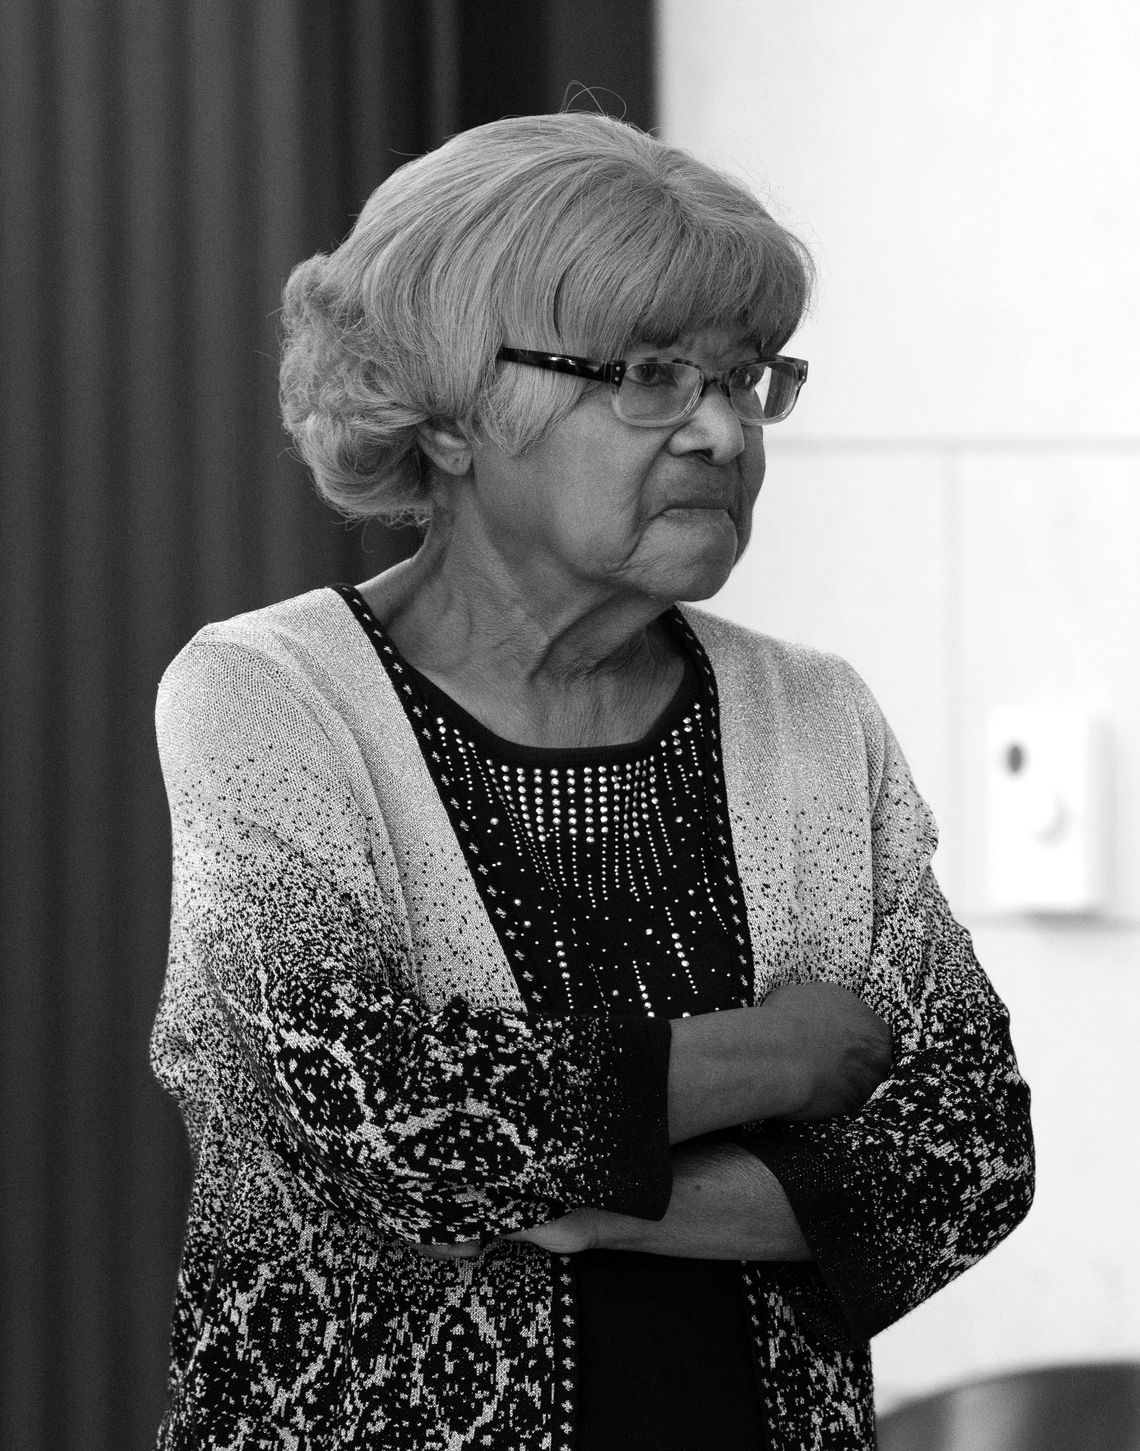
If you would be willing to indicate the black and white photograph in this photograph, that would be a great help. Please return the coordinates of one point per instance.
(570, 728)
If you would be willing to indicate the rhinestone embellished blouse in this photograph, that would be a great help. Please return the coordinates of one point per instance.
(609, 876)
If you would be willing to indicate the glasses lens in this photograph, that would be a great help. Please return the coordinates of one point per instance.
(763, 392)
(654, 392)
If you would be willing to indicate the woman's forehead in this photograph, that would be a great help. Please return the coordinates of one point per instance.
(713, 344)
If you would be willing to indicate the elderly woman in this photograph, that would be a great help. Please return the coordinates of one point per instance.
(575, 1047)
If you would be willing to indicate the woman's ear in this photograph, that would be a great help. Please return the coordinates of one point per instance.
(446, 446)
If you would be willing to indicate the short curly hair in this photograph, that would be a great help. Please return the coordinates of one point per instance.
(572, 233)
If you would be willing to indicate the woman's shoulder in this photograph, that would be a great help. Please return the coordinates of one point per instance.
(288, 627)
(743, 656)
(308, 650)
(804, 702)
(795, 691)
(303, 635)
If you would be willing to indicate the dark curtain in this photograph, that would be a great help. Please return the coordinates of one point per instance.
(163, 163)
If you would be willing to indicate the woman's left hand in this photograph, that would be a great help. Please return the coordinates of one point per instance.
(468, 1249)
(566, 1236)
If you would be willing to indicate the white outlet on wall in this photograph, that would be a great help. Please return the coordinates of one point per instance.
(1046, 772)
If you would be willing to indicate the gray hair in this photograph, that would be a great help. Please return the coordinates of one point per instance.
(571, 233)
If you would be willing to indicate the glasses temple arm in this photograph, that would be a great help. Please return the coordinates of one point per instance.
(561, 363)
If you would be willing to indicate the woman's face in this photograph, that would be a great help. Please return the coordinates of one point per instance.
(606, 509)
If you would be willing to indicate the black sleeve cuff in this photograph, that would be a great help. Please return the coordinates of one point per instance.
(627, 1165)
(849, 1298)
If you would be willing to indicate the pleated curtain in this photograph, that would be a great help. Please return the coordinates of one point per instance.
(163, 163)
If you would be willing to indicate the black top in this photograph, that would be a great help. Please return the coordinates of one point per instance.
(609, 875)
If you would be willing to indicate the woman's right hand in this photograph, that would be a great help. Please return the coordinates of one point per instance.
(808, 1051)
(833, 1050)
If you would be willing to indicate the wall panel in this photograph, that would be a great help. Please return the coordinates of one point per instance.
(963, 174)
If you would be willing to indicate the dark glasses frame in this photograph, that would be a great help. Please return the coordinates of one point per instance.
(613, 371)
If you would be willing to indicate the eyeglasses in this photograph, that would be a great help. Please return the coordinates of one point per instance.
(657, 392)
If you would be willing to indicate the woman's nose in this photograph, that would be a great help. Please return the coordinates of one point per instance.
(712, 428)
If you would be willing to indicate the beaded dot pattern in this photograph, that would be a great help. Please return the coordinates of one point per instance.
(608, 873)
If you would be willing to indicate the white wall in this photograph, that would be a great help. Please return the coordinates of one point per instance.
(956, 507)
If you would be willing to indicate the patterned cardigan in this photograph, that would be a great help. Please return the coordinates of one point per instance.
(357, 1072)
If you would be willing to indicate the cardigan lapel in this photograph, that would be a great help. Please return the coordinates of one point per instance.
(454, 947)
(761, 802)
(795, 775)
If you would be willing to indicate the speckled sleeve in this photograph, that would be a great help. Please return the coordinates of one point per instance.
(901, 1197)
(291, 981)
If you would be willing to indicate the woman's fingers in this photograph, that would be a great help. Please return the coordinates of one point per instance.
(467, 1250)
(838, 1049)
(566, 1236)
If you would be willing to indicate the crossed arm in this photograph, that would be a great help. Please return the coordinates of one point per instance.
(810, 1051)
(726, 1205)
(891, 1193)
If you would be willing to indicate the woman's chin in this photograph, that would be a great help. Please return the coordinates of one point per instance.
(687, 554)
(699, 577)
(701, 588)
